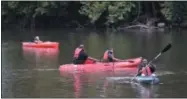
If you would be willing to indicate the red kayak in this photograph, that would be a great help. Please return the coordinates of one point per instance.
(41, 44)
(101, 66)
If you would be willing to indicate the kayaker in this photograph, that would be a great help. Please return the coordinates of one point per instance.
(109, 56)
(144, 70)
(37, 39)
(80, 56)
(141, 65)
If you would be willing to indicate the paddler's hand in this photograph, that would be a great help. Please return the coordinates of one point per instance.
(139, 72)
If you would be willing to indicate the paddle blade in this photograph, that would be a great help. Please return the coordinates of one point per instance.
(166, 48)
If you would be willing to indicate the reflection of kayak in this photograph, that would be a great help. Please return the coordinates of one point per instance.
(41, 45)
(41, 51)
(50, 53)
(147, 80)
(99, 66)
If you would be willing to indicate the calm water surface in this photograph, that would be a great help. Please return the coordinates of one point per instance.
(30, 72)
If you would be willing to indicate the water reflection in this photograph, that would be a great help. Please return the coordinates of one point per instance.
(145, 91)
(42, 57)
(31, 72)
(50, 52)
(116, 86)
(76, 82)
(77, 85)
(82, 82)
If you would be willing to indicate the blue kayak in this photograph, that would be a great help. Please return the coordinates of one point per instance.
(147, 79)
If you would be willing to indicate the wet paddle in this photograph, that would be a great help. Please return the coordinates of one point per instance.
(164, 50)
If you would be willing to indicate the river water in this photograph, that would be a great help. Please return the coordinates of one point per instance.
(30, 72)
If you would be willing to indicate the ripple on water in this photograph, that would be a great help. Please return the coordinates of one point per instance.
(35, 69)
(161, 73)
(47, 69)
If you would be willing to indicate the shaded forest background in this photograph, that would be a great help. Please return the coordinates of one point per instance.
(100, 14)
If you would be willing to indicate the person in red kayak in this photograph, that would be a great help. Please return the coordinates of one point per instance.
(144, 70)
(80, 56)
(109, 56)
(37, 39)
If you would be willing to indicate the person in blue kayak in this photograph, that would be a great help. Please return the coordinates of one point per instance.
(109, 56)
(141, 65)
(144, 70)
(80, 56)
(37, 39)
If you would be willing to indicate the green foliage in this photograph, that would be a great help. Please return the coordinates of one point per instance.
(93, 9)
(167, 10)
(119, 11)
(116, 10)
(112, 11)
(174, 11)
(31, 9)
(25, 11)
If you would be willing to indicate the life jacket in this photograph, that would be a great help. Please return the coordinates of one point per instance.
(146, 71)
(105, 57)
(77, 52)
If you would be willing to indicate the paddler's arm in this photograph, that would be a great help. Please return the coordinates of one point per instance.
(118, 60)
(110, 55)
(93, 59)
(139, 72)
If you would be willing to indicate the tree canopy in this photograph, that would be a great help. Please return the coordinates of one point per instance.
(90, 13)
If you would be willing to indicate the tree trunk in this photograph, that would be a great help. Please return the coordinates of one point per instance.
(32, 23)
(148, 8)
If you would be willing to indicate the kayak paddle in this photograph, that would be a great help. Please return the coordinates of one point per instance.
(164, 50)
(131, 61)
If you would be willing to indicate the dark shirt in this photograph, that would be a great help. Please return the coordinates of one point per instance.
(82, 58)
(82, 55)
